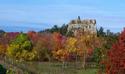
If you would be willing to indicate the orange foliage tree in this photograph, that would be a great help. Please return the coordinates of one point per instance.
(2, 50)
(58, 50)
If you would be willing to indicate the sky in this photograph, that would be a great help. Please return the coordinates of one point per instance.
(26, 15)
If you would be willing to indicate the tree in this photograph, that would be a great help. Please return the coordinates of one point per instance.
(2, 32)
(42, 47)
(116, 57)
(98, 56)
(21, 48)
(71, 44)
(58, 42)
(2, 50)
(23, 41)
(8, 37)
(55, 28)
(63, 29)
(33, 36)
(101, 32)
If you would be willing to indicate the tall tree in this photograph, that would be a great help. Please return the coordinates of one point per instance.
(63, 29)
(100, 32)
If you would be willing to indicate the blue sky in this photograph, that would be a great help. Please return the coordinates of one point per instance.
(24, 15)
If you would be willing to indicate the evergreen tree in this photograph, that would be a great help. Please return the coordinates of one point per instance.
(101, 32)
(2, 32)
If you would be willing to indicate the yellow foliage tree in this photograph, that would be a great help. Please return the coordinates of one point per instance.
(21, 48)
(71, 44)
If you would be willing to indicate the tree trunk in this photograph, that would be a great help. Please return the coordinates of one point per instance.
(84, 61)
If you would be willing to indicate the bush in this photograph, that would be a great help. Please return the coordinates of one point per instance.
(2, 70)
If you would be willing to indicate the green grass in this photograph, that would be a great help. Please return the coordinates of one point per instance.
(57, 68)
(88, 71)
(53, 68)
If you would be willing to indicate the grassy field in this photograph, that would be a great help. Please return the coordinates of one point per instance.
(56, 68)
(52, 68)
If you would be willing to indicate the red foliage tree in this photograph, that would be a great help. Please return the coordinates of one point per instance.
(33, 36)
(89, 51)
(8, 37)
(57, 41)
(58, 46)
(116, 57)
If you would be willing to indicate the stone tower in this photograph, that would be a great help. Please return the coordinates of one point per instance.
(86, 26)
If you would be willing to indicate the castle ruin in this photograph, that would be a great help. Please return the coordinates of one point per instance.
(82, 26)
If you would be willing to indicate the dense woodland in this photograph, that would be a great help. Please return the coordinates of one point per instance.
(49, 45)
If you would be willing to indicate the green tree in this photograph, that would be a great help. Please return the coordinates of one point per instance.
(97, 55)
(23, 41)
(2, 32)
(63, 29)
(21, 48)
(101, 32)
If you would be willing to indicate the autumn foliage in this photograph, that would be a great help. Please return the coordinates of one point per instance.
(116, 57)
(21, 48)
(48, 46)
(2, 50)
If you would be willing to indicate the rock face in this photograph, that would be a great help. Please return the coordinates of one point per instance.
(78, 25)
